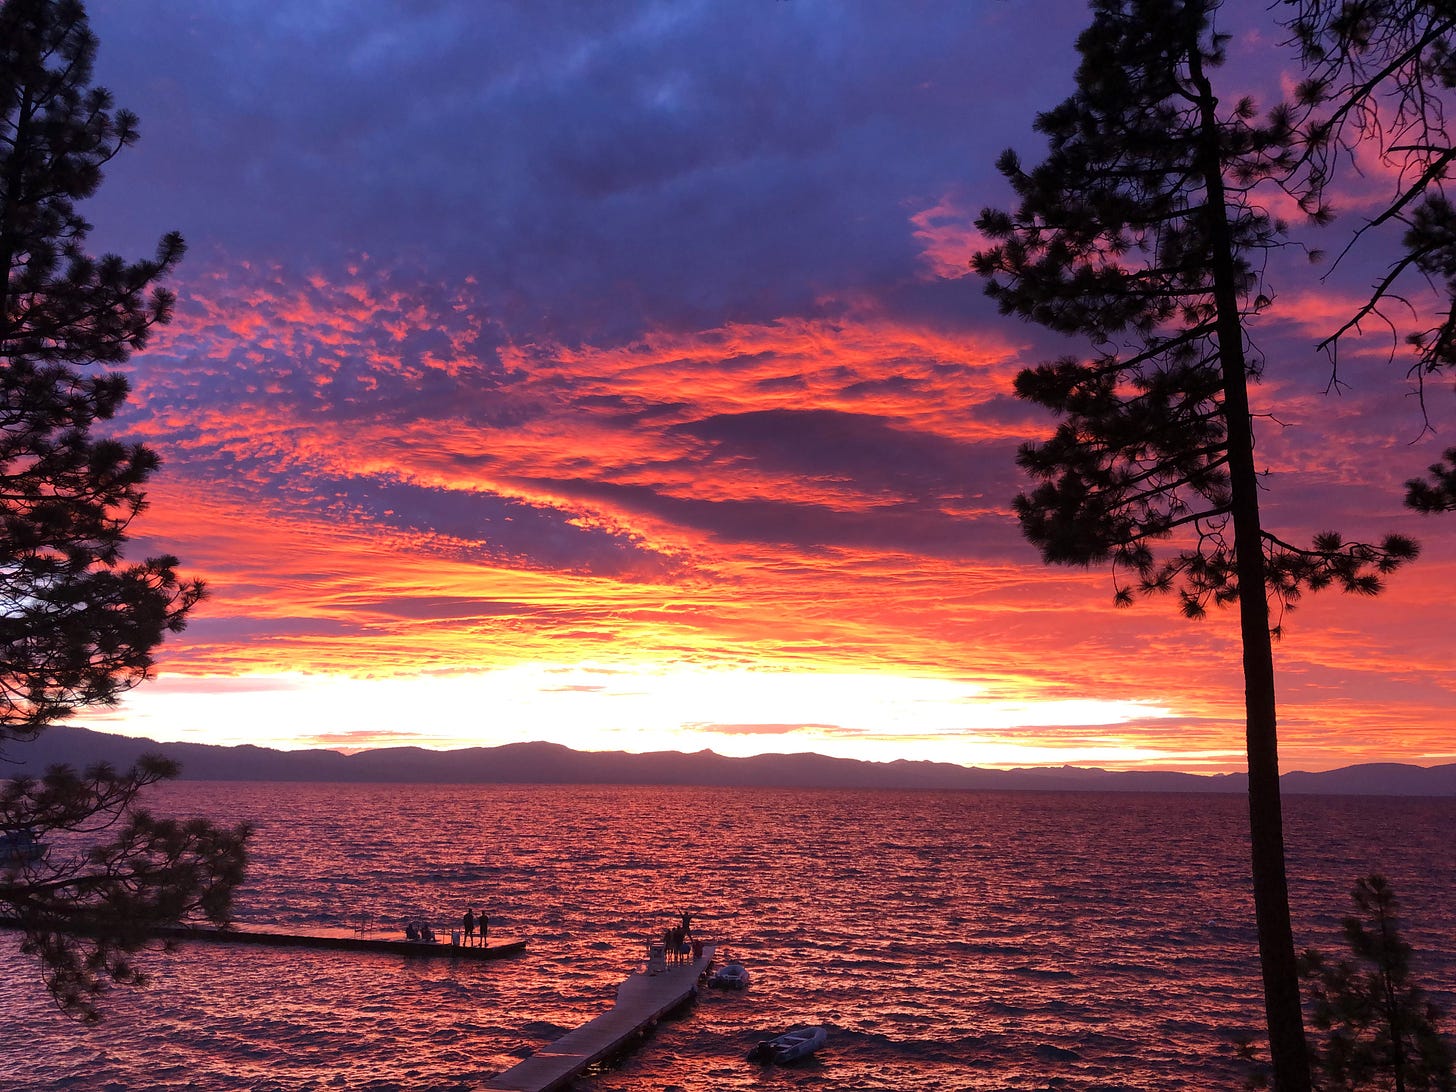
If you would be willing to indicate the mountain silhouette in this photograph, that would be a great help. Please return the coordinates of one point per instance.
(552, 763)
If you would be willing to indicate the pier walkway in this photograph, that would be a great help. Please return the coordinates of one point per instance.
(641, 1001)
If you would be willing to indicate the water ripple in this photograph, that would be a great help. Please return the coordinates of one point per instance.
(969, 941)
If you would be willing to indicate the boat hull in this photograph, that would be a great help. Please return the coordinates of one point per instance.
(732, 977)
(791, 1046)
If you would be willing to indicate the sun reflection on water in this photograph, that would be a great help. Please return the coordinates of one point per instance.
(947, 940)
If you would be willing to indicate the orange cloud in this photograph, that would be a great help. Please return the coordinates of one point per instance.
(948, 238)
(807, 497)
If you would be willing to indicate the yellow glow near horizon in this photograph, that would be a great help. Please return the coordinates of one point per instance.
(602, 707)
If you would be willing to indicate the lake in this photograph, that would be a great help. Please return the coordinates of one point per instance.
(953, 940)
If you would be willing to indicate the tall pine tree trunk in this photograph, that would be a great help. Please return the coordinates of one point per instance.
(1287, 1047)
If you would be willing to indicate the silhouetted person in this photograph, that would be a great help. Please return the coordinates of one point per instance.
(469, 922)
(484, 926)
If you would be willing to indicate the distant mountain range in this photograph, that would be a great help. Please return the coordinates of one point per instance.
(551, 763)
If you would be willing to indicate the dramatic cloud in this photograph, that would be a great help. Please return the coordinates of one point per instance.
(612, 374)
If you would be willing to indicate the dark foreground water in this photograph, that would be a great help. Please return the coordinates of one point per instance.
(947, 940)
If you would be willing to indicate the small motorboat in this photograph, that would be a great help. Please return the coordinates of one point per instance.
(732, 977)
(790, 1046)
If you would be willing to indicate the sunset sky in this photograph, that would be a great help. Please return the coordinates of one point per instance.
(611, 374)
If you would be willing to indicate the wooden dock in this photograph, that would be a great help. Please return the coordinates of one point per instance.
(344, 940)
(642, 1000)
(341, 940)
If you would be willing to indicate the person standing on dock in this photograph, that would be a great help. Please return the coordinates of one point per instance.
(484, 925)
(469, 922)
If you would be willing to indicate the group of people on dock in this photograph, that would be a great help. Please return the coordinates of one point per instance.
(473, 925)
(470, 923)
(678, 941)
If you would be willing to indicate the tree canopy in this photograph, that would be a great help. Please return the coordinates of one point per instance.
(1438, 492)
(1142, 232)
(79, 624)
(1375, 1027)
(1377, 82)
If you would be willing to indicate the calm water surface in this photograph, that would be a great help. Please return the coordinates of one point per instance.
(971, 941)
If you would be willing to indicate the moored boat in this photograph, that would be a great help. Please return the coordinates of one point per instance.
(790, 1046)
(732, 977)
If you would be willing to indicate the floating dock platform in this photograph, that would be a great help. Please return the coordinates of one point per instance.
(642, 1000)
(323, 937)
(341, 940)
